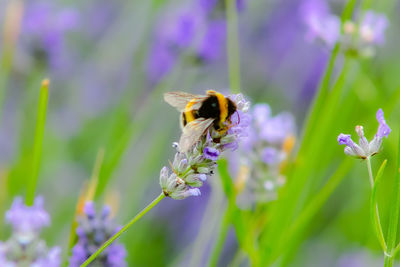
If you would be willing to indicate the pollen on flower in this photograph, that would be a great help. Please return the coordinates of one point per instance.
(367, 34)
(349, 27)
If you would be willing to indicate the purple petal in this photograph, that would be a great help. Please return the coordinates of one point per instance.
(269, 155)
(383, 129)
(211, 153)
(89, 209)
(374, 24)
(345, 139)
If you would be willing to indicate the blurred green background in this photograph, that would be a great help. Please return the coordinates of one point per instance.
(107, 75)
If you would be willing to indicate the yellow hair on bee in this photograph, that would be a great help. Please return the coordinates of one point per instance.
(189, 112)
(223, 106)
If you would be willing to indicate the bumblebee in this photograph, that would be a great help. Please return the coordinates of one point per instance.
(199, 113)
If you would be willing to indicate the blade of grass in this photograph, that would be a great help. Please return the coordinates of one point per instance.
(223, 232)
(374, 212)
(321, 95)
(309, 144)
(293, 235)
(87, 194)
(394, 216)
(319, 100)
(302, 176)
(38, 141)
(245, 239)
(348, 11)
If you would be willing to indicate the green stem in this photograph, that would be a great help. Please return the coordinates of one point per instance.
(376, 215)
(371, 176)
(388, 260)
(374, 211)
(123, 229)
(38, 142)
(221, 238)
(233, 46)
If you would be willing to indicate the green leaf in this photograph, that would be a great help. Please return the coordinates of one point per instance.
(394, 211)
(293, 235)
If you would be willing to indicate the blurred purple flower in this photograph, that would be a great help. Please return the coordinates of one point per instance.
(269, 155)
(321, 24)
(24, 248)
(372, 27)
(364, 149)
(100, 16)
(26, 219)
(207, 5)
(184, 31)
(173, 34)
(268, 144)
(93, 230)
(277, 128)
(161, 61)
(43, 31)
(192, 29)
(356, 39)
(211, 45)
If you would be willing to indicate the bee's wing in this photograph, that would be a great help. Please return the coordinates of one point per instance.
(179, 100)
(192, 132)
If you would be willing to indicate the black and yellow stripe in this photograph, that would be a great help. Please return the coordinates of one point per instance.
(215, 105)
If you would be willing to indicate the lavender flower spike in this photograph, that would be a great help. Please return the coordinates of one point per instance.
(365, 149)
(25, 248)
(93, 230)
(189, 170)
